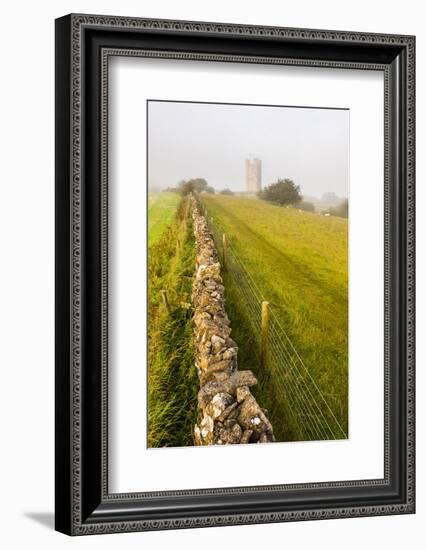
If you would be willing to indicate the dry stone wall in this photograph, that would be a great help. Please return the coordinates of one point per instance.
(228, 413)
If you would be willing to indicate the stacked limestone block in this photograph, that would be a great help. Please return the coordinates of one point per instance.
(228, 412)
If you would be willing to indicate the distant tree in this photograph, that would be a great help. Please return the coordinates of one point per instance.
(186, 187)
(284, 192)
(342, 211)
(226, 192)
(306, 206)
(195, 185)
(209, 189)
(200, 184)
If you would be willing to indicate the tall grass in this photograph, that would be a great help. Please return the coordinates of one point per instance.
(299, 261)
(172, 377)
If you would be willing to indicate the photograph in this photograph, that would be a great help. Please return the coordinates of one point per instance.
(247, 273)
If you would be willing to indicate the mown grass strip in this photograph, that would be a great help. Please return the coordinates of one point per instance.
(161, 213)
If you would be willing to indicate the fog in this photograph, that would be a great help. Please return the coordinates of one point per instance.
(212, 141)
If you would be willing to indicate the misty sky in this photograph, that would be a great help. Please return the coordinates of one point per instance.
(211, 141)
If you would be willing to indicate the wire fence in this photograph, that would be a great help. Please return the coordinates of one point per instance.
(303, 404)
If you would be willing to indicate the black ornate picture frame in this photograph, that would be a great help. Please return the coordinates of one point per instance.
(84, 43)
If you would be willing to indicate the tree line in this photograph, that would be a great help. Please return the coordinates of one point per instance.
(283, 192)
(196, 185)
(286, 193)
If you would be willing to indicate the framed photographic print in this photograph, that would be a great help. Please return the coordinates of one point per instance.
(234, 274)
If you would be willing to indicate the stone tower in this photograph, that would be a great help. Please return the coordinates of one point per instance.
(253, 175)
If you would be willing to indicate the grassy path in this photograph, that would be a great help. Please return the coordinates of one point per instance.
(300, 263)
(161, 213)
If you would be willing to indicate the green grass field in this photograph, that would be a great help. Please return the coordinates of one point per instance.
(161, 213)
(299, 261)
(172, 377)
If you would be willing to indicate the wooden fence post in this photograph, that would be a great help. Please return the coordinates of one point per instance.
(165, 300)
(223, 251)
(264, 332)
